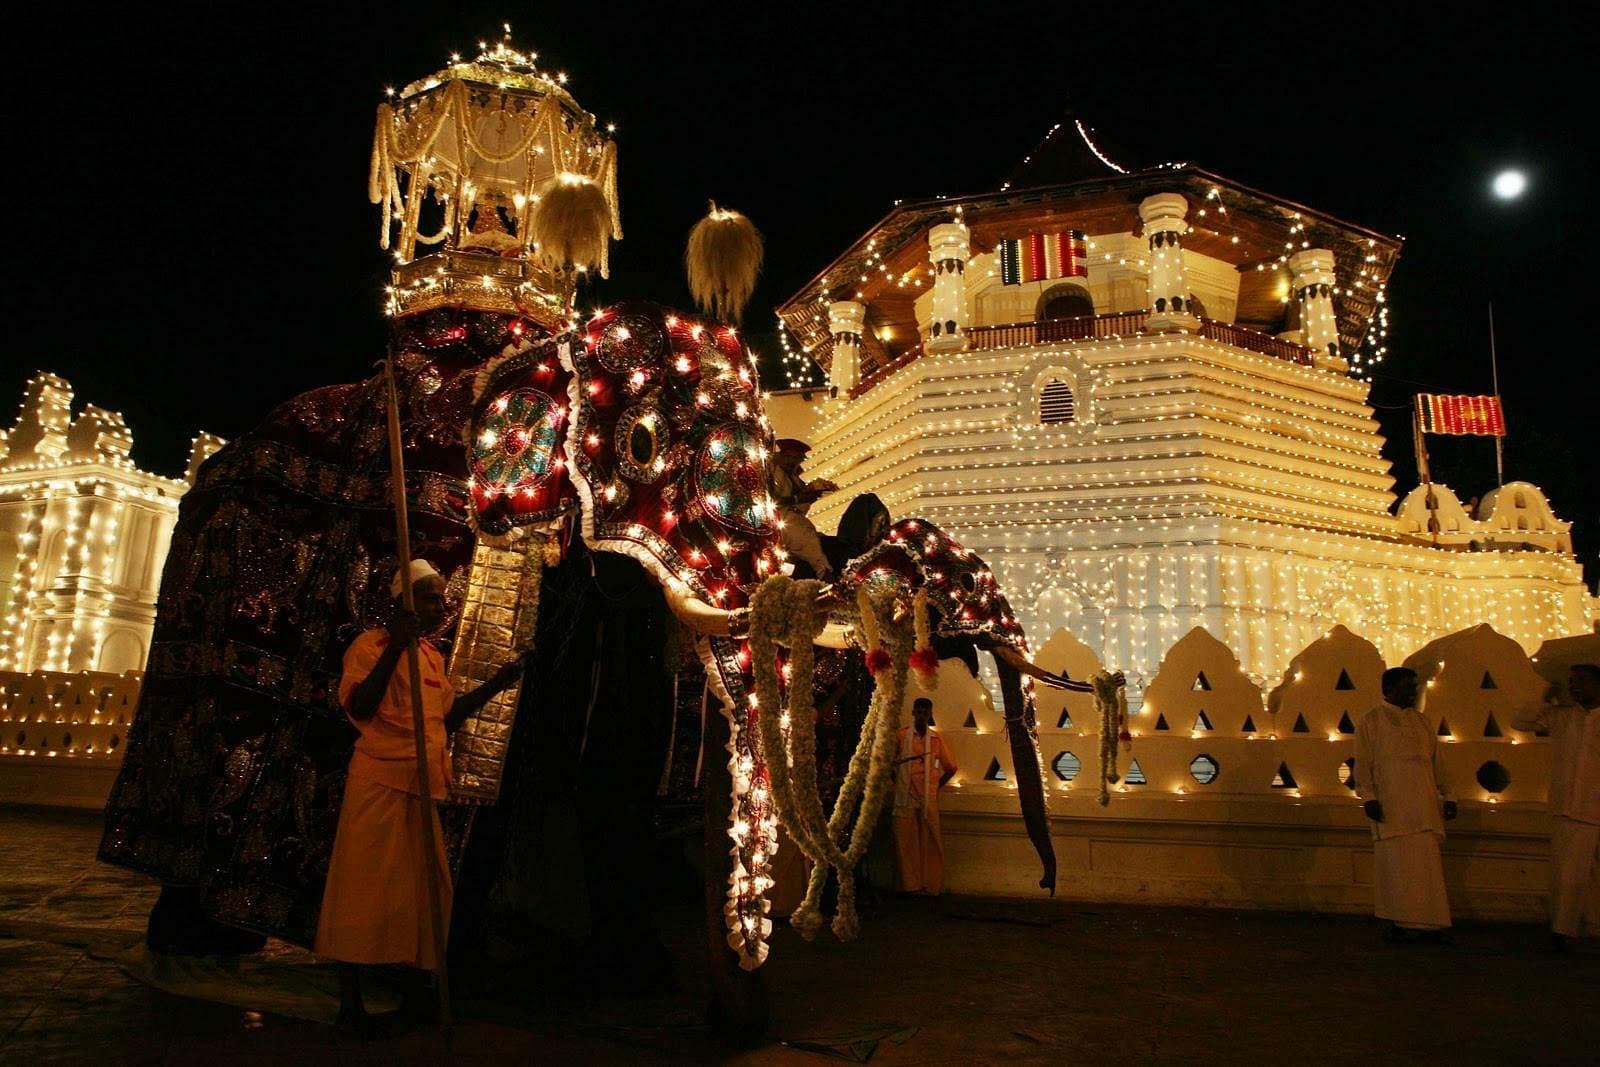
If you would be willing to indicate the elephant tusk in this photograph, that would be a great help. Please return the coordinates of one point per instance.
(834, 635)
(1022, 664)
(696, 614)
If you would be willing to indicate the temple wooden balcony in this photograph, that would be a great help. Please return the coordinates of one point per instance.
(1118, 324)
(1110, 327)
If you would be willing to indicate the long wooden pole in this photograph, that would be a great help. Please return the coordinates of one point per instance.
(1418, 442)
(1499, 439)
(430, 830)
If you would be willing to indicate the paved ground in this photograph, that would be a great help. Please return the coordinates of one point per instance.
(950, 981)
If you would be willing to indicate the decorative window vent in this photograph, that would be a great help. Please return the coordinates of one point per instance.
(1066, 765)
(1056, 403)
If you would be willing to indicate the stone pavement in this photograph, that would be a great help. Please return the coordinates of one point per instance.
(953, 981)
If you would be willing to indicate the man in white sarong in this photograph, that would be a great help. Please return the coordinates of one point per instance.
(1399, 777)
(1572, 720)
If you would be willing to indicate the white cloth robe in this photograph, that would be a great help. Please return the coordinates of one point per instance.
(1397, 764)
(1575, 809)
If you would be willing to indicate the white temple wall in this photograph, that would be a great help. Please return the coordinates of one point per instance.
(1201, 484)
(1269, 599)
(1275, 825)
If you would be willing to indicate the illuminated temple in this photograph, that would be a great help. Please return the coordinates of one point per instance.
(1141, 396)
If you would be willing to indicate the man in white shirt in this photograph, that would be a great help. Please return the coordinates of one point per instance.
(1573, 722)
(1399, 777)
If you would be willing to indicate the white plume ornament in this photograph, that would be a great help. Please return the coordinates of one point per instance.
(723, 261)
(572, 222)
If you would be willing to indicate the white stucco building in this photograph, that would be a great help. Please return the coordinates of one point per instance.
(1152, 418)
(83, 536)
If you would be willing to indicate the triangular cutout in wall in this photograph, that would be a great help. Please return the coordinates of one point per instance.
(995, 773)
(1444, 728)
(1201, 685)
(1283, 779)
(1161, 723)
(1300, 726)
(1345, 725)
(1135, 775)
(1249, 726)
(1488, 681)
(1201, 722)
(1344, 681)
(1492, 728)
(972, 721)
(1065, 722)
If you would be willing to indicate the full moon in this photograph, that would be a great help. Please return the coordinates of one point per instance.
(1509, 184)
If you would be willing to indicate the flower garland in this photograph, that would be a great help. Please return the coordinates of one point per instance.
(784, 612)
(925, 661)
(1111, 701)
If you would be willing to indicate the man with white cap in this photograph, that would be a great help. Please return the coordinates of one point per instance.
(375, 907)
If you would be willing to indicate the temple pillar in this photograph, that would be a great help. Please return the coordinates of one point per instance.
(948, 250)
(1313, 282)
(1164, 227)
(846, 321)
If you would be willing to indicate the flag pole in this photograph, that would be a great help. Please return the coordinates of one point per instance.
(430, 829)
(1420, 447)
(1499, 439)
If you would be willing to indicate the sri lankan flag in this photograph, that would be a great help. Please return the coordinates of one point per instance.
(1480, 415)
(1040, 256)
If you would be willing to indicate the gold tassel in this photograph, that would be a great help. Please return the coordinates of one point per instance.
(723, 261)
(572, 221)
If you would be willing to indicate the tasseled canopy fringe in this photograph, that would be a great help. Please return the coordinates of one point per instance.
(571, 222)
(723, 261)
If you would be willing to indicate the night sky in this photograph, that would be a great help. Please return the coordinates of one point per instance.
(188, 216)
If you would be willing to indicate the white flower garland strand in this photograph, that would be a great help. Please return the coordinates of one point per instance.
(784, 612)
(1111, 701)
(928, 671)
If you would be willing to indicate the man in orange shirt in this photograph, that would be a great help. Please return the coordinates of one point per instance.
(375, 907)
(923, 768)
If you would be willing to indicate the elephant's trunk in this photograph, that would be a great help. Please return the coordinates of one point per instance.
(1020, 726)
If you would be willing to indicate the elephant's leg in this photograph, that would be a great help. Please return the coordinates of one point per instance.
(738, 997)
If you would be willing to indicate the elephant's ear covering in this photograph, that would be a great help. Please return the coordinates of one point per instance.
(572, 222)
(723, 261)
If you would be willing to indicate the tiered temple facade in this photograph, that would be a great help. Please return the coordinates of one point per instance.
(1146, 420)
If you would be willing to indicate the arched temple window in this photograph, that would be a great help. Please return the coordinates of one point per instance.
(1065, 302)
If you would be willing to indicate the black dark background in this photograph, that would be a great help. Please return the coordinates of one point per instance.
(191, 241)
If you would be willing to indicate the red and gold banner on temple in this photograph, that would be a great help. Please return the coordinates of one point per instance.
(1042, 256)
(1478, 415)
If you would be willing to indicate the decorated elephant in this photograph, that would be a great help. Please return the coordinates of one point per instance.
(590, 492)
